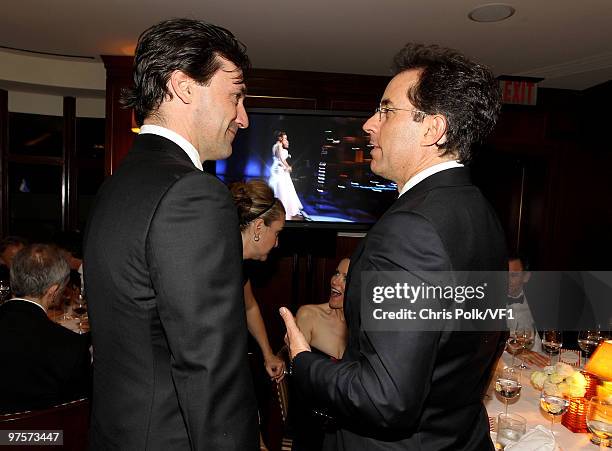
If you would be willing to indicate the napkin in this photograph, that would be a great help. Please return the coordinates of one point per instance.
(536, 439)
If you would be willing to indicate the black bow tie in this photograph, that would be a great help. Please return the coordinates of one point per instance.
(517, 300)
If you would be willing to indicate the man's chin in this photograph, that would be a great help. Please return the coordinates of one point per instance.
(222, 153)
(375, 167)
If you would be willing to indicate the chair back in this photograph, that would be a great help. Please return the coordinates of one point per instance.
(72, 418)
(282, 388)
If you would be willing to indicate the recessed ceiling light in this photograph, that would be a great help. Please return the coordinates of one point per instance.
(492, 12)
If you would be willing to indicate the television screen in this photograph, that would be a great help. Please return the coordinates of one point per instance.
(319, 168)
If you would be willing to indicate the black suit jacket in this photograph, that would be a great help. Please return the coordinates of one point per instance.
(415, 390)
(163, 257)
(44, 364)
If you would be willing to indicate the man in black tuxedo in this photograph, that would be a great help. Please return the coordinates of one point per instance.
(163, 257)
(44, 363)
(409, 389)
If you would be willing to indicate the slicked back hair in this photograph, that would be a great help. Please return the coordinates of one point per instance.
(188, 45)
(465, 93)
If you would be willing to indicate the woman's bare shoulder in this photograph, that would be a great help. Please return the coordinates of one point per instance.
(309, 310)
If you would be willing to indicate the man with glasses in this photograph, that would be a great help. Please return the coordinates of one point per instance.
(409, 389)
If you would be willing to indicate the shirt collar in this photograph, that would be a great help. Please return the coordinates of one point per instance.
(431, 170)
(30, 301)
(177, 139)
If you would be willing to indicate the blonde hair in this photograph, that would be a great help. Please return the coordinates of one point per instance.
(255, 199)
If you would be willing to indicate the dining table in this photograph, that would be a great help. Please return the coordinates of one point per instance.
(527, 405)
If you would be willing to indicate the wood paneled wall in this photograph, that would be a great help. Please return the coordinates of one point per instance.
(544, 171)
(547, 170)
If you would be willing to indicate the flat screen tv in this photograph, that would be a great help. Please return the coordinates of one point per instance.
(330, 160)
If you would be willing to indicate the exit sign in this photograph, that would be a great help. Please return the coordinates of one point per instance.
(519, 90)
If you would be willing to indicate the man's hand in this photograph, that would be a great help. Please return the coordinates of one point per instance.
(294, 337)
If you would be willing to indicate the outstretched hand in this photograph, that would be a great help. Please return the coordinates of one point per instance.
(294, 338)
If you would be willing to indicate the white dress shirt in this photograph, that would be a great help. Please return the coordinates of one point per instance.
(523, 318)
(177, 139)
(420, 176)
(30, 301)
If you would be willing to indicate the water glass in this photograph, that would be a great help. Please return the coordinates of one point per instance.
(599, 420)
(510, 428)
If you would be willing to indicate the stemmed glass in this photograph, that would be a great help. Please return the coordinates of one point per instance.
(552, 340)
(5, 291)
(514, 345)
(80, 310)
(588, 340)
(599, 420)
(555, 404)
(508, 385)
(526, 335)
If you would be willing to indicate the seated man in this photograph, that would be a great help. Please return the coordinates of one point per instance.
(9, 246)
(71, 246)
(44, 363)
(518, 276)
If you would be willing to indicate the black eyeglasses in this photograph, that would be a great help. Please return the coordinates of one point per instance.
(387, 109)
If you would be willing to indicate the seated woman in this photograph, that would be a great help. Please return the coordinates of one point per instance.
(324, 327)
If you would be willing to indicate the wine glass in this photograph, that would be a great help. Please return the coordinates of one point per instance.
(513, 345)
(80, 310)
(599, 420)
(527, 335)
(552, 340)
(508, 385)
(588, 340)
(554, 404)
(5, 291)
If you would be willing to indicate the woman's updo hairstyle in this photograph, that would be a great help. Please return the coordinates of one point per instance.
(255, 199)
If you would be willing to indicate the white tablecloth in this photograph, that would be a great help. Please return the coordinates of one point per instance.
(528, 406)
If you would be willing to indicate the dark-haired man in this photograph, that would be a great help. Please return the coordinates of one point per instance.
(46, 364)
(163, 257)
(9, 247)
(410, 389)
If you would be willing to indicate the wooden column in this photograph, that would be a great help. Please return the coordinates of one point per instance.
(119, 136)
(3, 162)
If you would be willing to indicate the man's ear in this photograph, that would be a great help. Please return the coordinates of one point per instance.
(526, 276)
(53, 292)
(435, 130)
(182, 86)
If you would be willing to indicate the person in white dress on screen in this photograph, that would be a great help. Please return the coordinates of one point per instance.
(280, 177)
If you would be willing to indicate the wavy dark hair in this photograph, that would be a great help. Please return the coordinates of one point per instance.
(188, 45)
(464, 92)
(255, 199)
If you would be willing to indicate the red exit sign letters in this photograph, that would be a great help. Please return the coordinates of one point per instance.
(519, 92)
